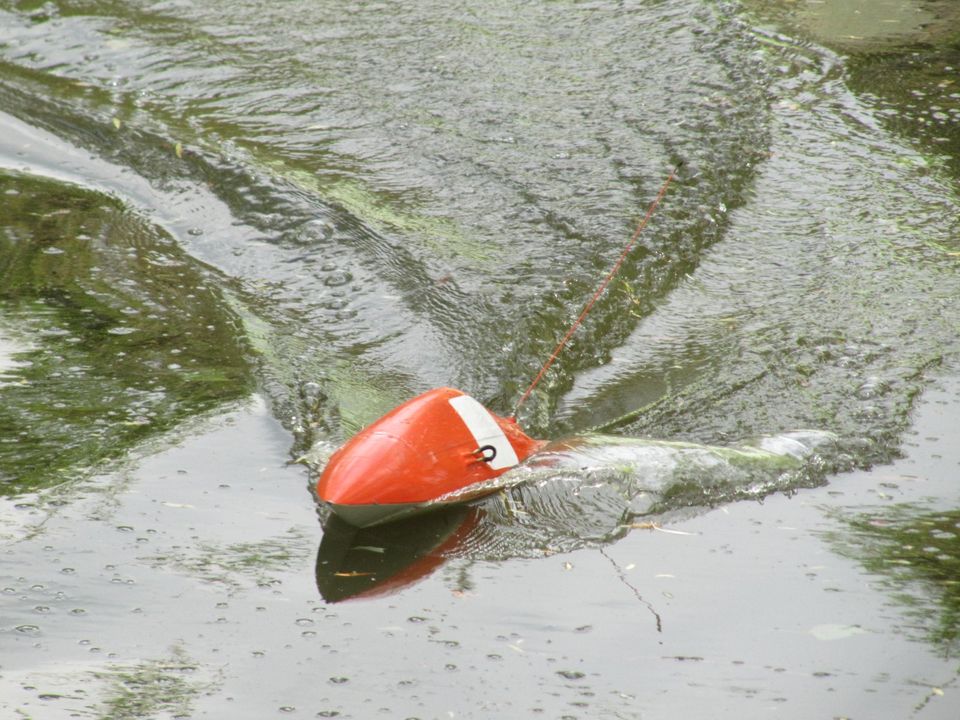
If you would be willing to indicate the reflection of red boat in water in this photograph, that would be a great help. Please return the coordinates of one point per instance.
(358, 563)
(439, 448)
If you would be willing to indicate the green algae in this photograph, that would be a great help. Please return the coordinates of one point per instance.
(235, 565)
(382, 211)
(333, 395)
(128, 336)
(914, 550)
(151, 688)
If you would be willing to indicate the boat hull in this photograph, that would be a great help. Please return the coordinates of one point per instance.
(363, 516)
(435, 446)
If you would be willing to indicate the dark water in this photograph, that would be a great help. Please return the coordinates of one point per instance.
(330, 207)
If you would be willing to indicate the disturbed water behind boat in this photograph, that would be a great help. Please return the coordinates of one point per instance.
(392, 231)
(337, 207)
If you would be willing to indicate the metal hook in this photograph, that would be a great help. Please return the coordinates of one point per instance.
(483, 450)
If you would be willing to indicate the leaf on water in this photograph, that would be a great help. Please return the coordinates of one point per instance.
(178, 149)
(116, 123)
(938, 692)
(655, 526)
(568, 566)
(353, 573)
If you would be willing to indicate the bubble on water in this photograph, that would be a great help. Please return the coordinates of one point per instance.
(313, 232)
(571, 674)
(28, 629)
(337, 278)
(312, 392)
(339, 680)
(872, 388)
(336, 303)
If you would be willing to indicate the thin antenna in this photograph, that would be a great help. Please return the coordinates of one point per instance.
(603, 286)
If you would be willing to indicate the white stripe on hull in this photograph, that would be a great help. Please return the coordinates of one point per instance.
(485, 431)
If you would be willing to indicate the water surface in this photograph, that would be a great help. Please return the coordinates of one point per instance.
(230, 232)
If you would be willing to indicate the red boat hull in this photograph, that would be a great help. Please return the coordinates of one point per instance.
(437, 444)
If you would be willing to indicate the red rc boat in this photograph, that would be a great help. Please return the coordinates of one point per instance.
(439, 447)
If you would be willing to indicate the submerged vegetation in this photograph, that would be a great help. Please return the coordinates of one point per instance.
(150, 689)
(914, 552)
(235, 564)
(117, 334)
